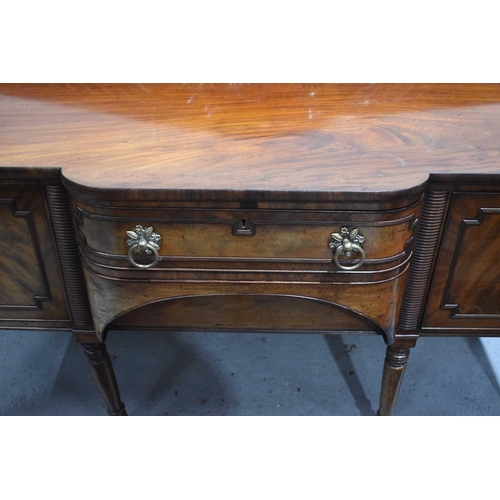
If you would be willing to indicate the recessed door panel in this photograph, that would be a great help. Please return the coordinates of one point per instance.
(465, 291)
(31, 291)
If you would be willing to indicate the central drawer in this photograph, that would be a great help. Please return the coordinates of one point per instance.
(303, 242)
(344, 259)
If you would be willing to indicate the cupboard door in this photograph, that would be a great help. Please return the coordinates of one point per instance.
(31, 291)
(465, 290)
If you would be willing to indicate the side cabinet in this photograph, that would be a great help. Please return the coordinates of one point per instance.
(465, 292)
(31, 291)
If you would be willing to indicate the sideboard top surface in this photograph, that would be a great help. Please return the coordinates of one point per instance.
(302, 138)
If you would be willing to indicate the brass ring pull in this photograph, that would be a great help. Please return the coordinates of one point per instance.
(147, 247)
(355, 248)
(345, 243)
(143, 241)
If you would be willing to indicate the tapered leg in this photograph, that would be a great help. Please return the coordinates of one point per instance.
(394, 369)
(104, 375)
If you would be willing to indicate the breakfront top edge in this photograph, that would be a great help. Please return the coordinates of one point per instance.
(291, 141)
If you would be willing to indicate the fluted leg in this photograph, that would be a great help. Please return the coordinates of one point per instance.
(104, 375)
(394, 369)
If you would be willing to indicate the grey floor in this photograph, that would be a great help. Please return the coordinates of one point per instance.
(45, 373)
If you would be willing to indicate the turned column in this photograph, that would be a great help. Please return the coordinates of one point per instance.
(76, 293)
(428, 233)
(394, 369)
(104, 375)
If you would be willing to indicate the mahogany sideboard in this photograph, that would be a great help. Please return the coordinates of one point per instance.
(280, 208)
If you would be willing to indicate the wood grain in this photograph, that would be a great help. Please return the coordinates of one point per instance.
(250, 313)
(395, 363)
(22, 273)
(278, 241)
(60, 213)
(110, 298)
(251, 141)
(465, 290)
(423, 260)
(102, 369)
(31, 291)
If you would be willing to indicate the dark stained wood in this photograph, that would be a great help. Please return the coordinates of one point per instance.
(31, 291)
(60, 213)
(394, 368)
(431, 222)
(246, 313)
(82, 164)
(110, 298)
(238, 142)
(465, 292)
(288, 255)
(23, 276)
(299, 236)
(104, 375)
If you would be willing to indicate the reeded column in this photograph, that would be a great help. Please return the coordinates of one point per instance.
(431, 222)
(76, 292)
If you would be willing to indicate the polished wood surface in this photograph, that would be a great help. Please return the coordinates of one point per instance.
(23, 277)
(287, 254)
(465, 292)
(208, 141)
(110, 298)
(278, 235)
(416, 168)
(430, 227)
(104, 375)
(31, 286)
(395, 363)
(249, 313)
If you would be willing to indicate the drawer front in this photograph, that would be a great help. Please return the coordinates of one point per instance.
(271, 239)
(31, 291)
(465, 290)
(263, 242)
(239, 257)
